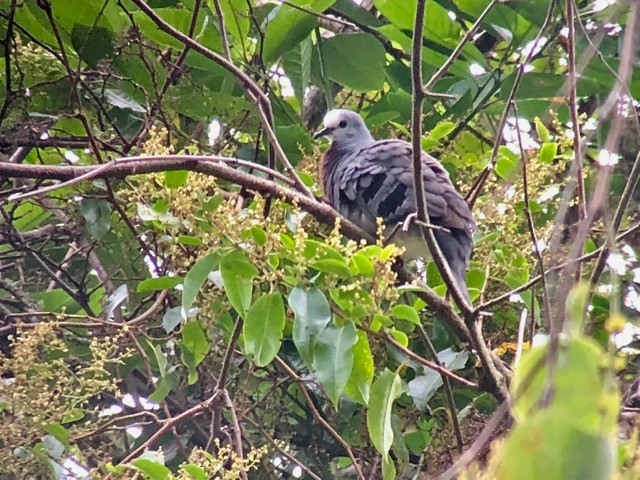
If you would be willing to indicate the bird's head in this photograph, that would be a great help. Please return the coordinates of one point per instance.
(345, 128)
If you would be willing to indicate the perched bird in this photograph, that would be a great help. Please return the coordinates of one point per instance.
(364, 178)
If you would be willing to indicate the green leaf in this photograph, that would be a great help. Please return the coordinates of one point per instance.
(263, 328)
(362, 264)
(541, 130)
(360, 72)
(189, 240)
(195, 340)
(153, 470)
(172, 318)
(97, 216)
(59, 432)
(384, 391)
(506, 168)
(359, 384)
(568, 452)
(441, 130)
(288, 26)
(93, 43)
(73, 415)
(195, 278)
(237, 276)
(160, 283)
(424, 386)
(196, 472)
(576, 307)
(122, 100)
(294, 140)
(388, 468)
(581, 393)
(194, 347)
(333, 358)
(399, 12)
(167, 383)
(161, 359)
(406, 312)
(312, 314)
(175, 178)
(548, 152)
(259, 235)
(297, 66)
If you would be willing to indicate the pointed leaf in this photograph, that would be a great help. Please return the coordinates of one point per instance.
(312, 314)
(333, 358)
(194, 347)
(194, 280)
(263, 328)
(359, 383)
(97, 216)
(159, 283)
(361, 72)
(288, 26)
(384, 391)
(237, 276)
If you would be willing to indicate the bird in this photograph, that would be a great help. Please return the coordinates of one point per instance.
(365, 179)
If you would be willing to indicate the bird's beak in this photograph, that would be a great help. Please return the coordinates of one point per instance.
(322, 133)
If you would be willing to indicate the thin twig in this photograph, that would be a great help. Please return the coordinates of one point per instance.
(573, 105)
(318, 418)
(476, 188)
(447, 387)
(531, 226)
(435, 366)
(458, 50)
(418, 180)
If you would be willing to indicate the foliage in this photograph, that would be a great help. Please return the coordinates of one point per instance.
(211, 318)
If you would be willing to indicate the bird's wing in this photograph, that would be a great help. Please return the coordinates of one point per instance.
(378, 182)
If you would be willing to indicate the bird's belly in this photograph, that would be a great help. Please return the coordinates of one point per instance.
(412, 241)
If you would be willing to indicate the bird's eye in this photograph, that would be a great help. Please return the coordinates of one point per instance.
(343, 124)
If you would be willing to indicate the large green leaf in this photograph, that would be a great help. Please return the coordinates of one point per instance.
(194, 347)
(425, 385)
(152, 470)
(355, 60)
(312, 314)
(333, 358)
(159, 283)
(237, 276)
(97, 216)
(568, 452)
(70, 13)
(287, 26)
(294, 141)
(505, 22)
(580, 391)
(399, 12)
(194, 280)
(92, 43)
(359, 384)
(179, 18)
(263, 328)
(297, 66)
(384, 391)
